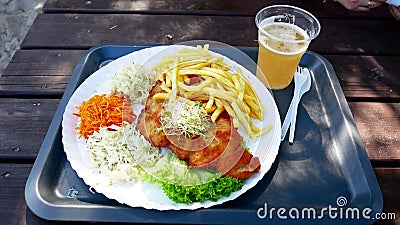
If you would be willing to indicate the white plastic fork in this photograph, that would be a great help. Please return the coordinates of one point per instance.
(302, 79)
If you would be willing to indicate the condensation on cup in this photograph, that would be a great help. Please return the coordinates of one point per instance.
(284, 33)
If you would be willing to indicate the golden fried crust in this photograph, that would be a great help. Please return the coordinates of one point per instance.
(244, 168)
(225, 138)
(149, 120)
(223, 154)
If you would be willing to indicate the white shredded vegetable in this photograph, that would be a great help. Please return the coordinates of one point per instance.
(123, 155)
(112, 156)
(132, 82)
(144, 153)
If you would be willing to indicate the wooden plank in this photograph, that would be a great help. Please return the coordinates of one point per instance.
(379, 127)
(44, 72)
(355, 36)
(23, 125)
(14, 210)
(372, 77)
(33, 85)
(55, 62)
(12, 198)
(388, 179)
(87, 30)
(224, 7)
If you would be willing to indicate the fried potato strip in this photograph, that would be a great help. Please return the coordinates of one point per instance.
(198, 75)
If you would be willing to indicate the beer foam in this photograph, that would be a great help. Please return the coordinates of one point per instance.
(283, 38)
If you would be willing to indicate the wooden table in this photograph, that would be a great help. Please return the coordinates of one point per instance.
(362, 47)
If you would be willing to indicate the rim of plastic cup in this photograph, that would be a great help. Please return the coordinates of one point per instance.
(299, 10)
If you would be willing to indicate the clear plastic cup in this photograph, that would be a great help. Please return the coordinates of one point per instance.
(284, 34)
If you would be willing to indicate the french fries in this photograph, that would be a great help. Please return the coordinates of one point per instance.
(215, 85)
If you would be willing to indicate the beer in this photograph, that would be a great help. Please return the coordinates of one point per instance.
(281, 46)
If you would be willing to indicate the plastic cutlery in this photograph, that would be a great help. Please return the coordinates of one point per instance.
(302, 79)
(289, 114)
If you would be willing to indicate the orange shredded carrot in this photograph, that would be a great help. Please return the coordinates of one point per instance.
(102, 111)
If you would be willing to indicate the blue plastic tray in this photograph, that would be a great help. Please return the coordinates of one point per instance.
(326, 172)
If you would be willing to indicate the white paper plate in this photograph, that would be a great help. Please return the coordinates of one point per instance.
(148, 195)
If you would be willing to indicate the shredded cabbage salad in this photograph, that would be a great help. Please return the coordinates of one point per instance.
(111, 156)
(132, 81)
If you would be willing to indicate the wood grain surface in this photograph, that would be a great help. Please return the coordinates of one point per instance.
(86, 30)
(220, 7)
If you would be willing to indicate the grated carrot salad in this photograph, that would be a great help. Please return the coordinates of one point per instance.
(102, 111)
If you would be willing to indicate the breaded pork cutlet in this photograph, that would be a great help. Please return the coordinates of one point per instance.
(224, 154)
